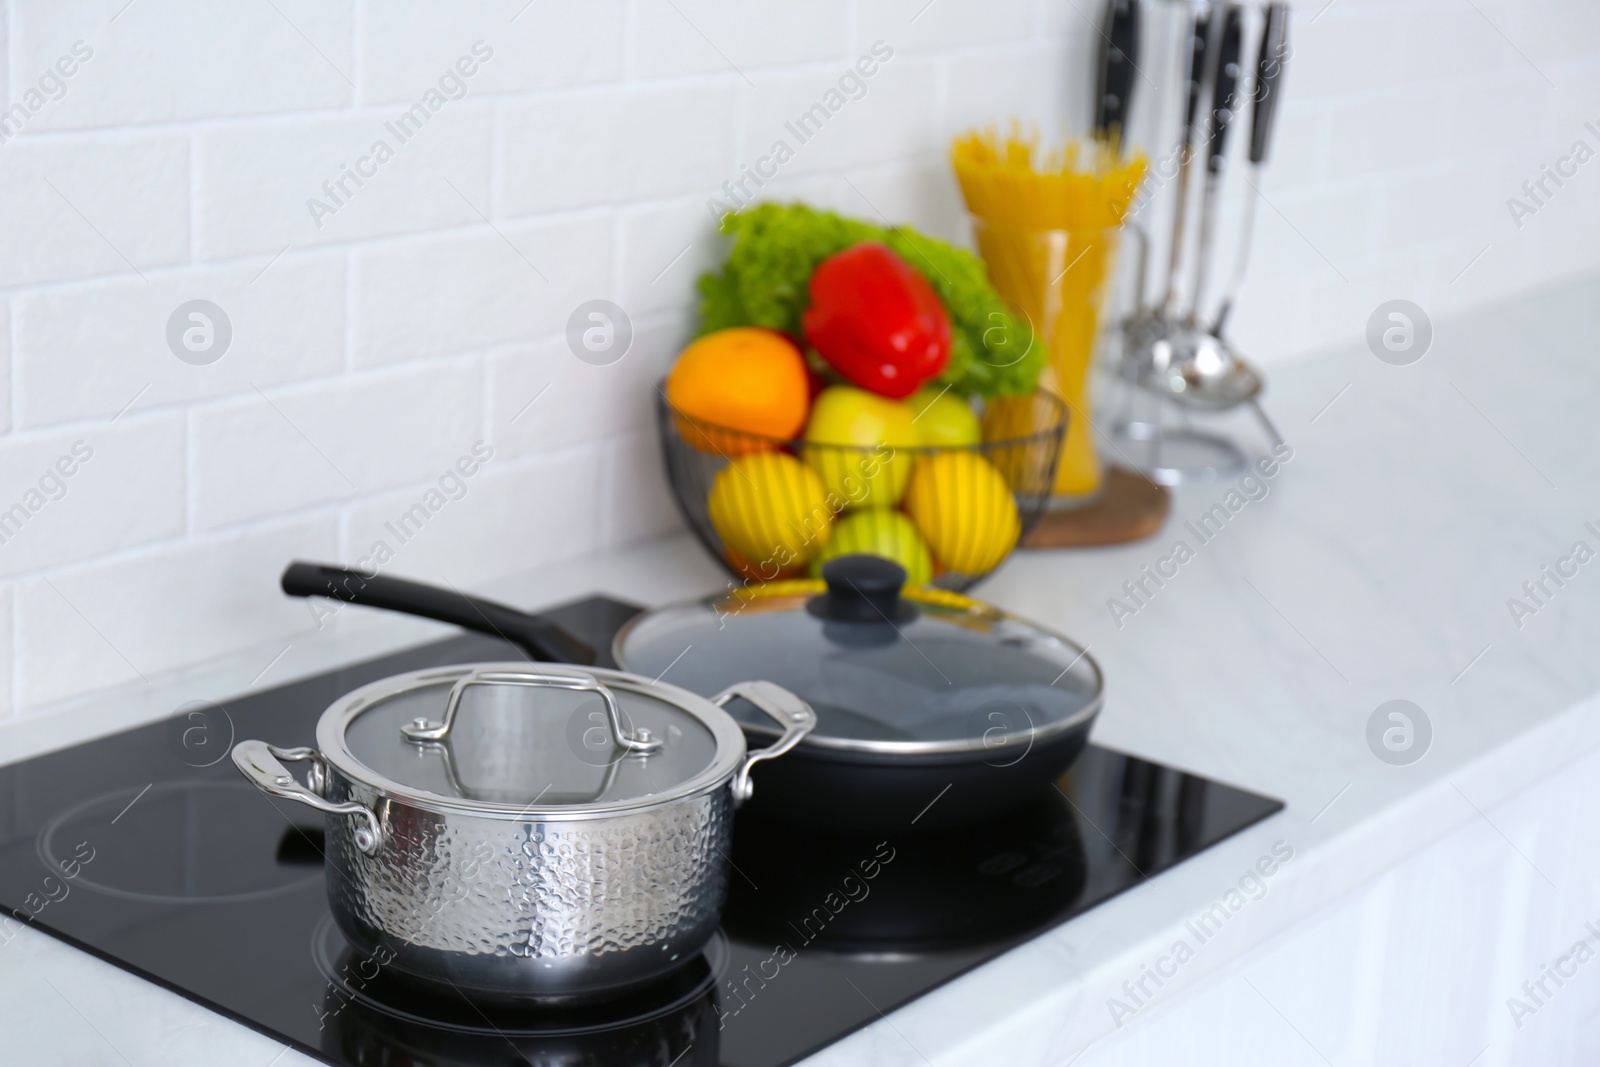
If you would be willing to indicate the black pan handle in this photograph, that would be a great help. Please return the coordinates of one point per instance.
(1119, 50)
(540, 638)
(1271, 57)
(1224, 98)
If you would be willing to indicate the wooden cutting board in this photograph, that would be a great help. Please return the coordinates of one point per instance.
(1130, 508)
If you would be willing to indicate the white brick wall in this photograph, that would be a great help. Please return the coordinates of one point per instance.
(193, 60)
(88, 491)
(114, 203)
(253, 181)
(370, 352)
(267, 453)
(86, 351)
(477, 286)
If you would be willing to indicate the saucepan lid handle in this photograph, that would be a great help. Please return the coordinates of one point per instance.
(421, 730)
(791, 713)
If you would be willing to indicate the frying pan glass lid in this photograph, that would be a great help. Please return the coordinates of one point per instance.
(913, 671)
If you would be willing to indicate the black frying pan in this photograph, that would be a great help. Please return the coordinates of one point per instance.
(829, 788)
(813, 785)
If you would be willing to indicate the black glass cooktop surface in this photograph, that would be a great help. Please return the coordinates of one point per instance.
(148, 849)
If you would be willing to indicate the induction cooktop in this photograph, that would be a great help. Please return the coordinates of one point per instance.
(149, 850)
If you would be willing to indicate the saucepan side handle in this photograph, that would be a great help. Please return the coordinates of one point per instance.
(259, 762)
(791, 713)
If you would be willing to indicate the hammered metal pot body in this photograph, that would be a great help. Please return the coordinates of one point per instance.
(444, 868)
(526, 909)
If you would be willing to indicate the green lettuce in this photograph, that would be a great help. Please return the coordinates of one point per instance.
(777, 246)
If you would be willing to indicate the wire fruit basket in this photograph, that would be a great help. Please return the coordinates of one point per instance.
(775, 508)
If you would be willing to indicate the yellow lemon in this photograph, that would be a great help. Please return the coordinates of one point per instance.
(964, 510)
(879, 532)
(770, 509)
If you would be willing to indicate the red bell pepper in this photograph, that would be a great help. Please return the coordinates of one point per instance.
(877, 321)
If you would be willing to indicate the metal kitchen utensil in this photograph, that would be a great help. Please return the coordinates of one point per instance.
(1198, 370)
(1116, 67)
(1270, 59)
(1199, 37)
(1224, 106)
(548, 833)
(933, 709)
(1175, 455)
(1179, 358)
(1193, 363)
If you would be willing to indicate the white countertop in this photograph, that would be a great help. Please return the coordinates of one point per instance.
(1379, 565)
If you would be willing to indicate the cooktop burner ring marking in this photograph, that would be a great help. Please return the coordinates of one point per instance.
(119, 802)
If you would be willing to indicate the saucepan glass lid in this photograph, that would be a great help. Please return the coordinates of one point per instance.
(530, 737)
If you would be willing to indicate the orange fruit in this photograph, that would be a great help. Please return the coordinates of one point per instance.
(745, 379)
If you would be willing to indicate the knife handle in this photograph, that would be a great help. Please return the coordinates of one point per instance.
(1224, 90)
(1270, 60)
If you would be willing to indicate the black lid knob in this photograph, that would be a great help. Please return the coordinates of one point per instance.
(862, 589)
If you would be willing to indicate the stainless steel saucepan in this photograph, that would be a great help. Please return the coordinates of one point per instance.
(528, 831)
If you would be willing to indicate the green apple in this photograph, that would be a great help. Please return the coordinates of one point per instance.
(944, 419)
(879, 532)
(860, 444)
